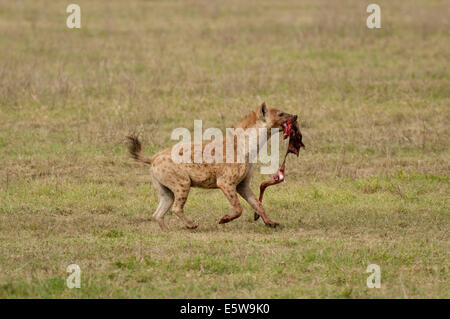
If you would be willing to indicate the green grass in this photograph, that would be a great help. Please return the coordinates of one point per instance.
(372, 186)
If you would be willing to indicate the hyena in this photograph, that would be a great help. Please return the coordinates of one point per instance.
(174, 180)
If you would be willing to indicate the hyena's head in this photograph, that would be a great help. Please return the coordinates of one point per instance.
(272, 118)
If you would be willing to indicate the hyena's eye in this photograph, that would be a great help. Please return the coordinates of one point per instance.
(281, 114)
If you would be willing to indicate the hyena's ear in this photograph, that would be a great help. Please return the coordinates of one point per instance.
(263, 111)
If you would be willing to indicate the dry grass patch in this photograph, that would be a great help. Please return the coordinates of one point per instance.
(371, 187)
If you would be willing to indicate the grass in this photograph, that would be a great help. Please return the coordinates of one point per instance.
(371, 187)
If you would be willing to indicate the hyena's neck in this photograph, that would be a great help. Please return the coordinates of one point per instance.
(251, 124)
(248, 121)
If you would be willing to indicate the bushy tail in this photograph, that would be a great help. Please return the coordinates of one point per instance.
(135, 149)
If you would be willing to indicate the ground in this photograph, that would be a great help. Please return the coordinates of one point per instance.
(372, 186)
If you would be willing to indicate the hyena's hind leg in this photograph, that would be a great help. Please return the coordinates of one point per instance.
(180, 185)
(181, 193)
(166, 199)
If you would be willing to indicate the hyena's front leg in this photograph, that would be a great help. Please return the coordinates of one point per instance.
(229, 191)
(246, 193)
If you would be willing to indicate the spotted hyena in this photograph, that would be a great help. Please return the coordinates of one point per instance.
(174, 180)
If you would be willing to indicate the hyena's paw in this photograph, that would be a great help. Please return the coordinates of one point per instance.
(256, 216)
(271, 223)
(163, 225)
(192, 225)
(225, 219)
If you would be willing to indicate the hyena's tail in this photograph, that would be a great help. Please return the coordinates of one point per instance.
(135, 149)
